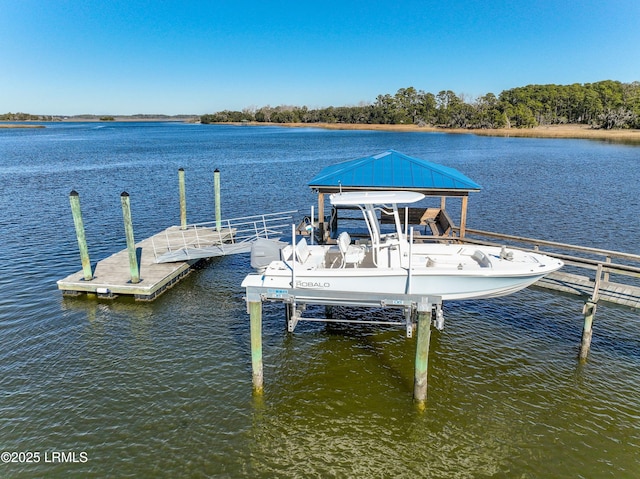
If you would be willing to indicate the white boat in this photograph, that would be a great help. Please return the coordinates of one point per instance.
(393, 262)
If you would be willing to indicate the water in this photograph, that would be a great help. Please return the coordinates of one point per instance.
(164, 389)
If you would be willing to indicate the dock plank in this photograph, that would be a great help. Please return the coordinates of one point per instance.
(611, 292)
(112, 274)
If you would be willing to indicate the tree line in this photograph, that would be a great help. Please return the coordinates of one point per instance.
(606, 104)
(91, 117)
(25, 117)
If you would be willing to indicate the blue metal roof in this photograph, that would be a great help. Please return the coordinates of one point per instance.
(392, 169)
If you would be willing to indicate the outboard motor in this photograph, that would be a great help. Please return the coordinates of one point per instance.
(264, 251)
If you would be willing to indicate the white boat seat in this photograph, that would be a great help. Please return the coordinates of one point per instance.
(306, 256)
(351, 254)
(302, 250)
(286, 252)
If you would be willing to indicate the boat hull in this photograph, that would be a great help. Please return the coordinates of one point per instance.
(448, 286)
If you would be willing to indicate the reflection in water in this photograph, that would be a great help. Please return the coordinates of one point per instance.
(358, 421)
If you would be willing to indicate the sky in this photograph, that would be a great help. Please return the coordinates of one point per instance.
(123, 57)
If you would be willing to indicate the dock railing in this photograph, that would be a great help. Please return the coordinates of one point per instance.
(608, 265)
(201, 240)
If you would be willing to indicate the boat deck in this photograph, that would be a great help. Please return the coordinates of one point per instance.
(610, 276)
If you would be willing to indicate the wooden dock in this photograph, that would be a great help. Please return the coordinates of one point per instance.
(607, 291)
(112, 277)
(168, 256)
(624, 291)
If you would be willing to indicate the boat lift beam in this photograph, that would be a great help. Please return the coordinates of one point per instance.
(294, 315)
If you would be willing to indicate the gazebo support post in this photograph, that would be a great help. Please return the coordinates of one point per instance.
(463, 215)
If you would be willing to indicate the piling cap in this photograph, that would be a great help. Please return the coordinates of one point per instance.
(216, 170)
(180, 169)
(74, 193)
(124, 193)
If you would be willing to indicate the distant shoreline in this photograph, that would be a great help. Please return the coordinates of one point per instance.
(552, 131)
(20, 125)
(97, 119)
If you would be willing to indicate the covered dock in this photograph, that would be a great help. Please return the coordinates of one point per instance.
(392, 170)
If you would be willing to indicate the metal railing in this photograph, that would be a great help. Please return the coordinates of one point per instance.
(220, 238)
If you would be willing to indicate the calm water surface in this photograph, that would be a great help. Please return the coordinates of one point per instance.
(164, 389)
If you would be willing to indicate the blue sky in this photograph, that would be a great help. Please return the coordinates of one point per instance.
(125, 57)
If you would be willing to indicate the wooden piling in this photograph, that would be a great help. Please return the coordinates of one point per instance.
(589, 312)
(183, 199)
(74, 199)
(422, 358)
(131, 244)
(216, 192)
(321, 223)
(463, 216)
(255, 316)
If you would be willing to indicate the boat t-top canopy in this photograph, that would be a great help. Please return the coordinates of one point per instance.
(353, 198)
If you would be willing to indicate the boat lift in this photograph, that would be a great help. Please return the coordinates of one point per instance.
(419, 311)
(297, 299)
